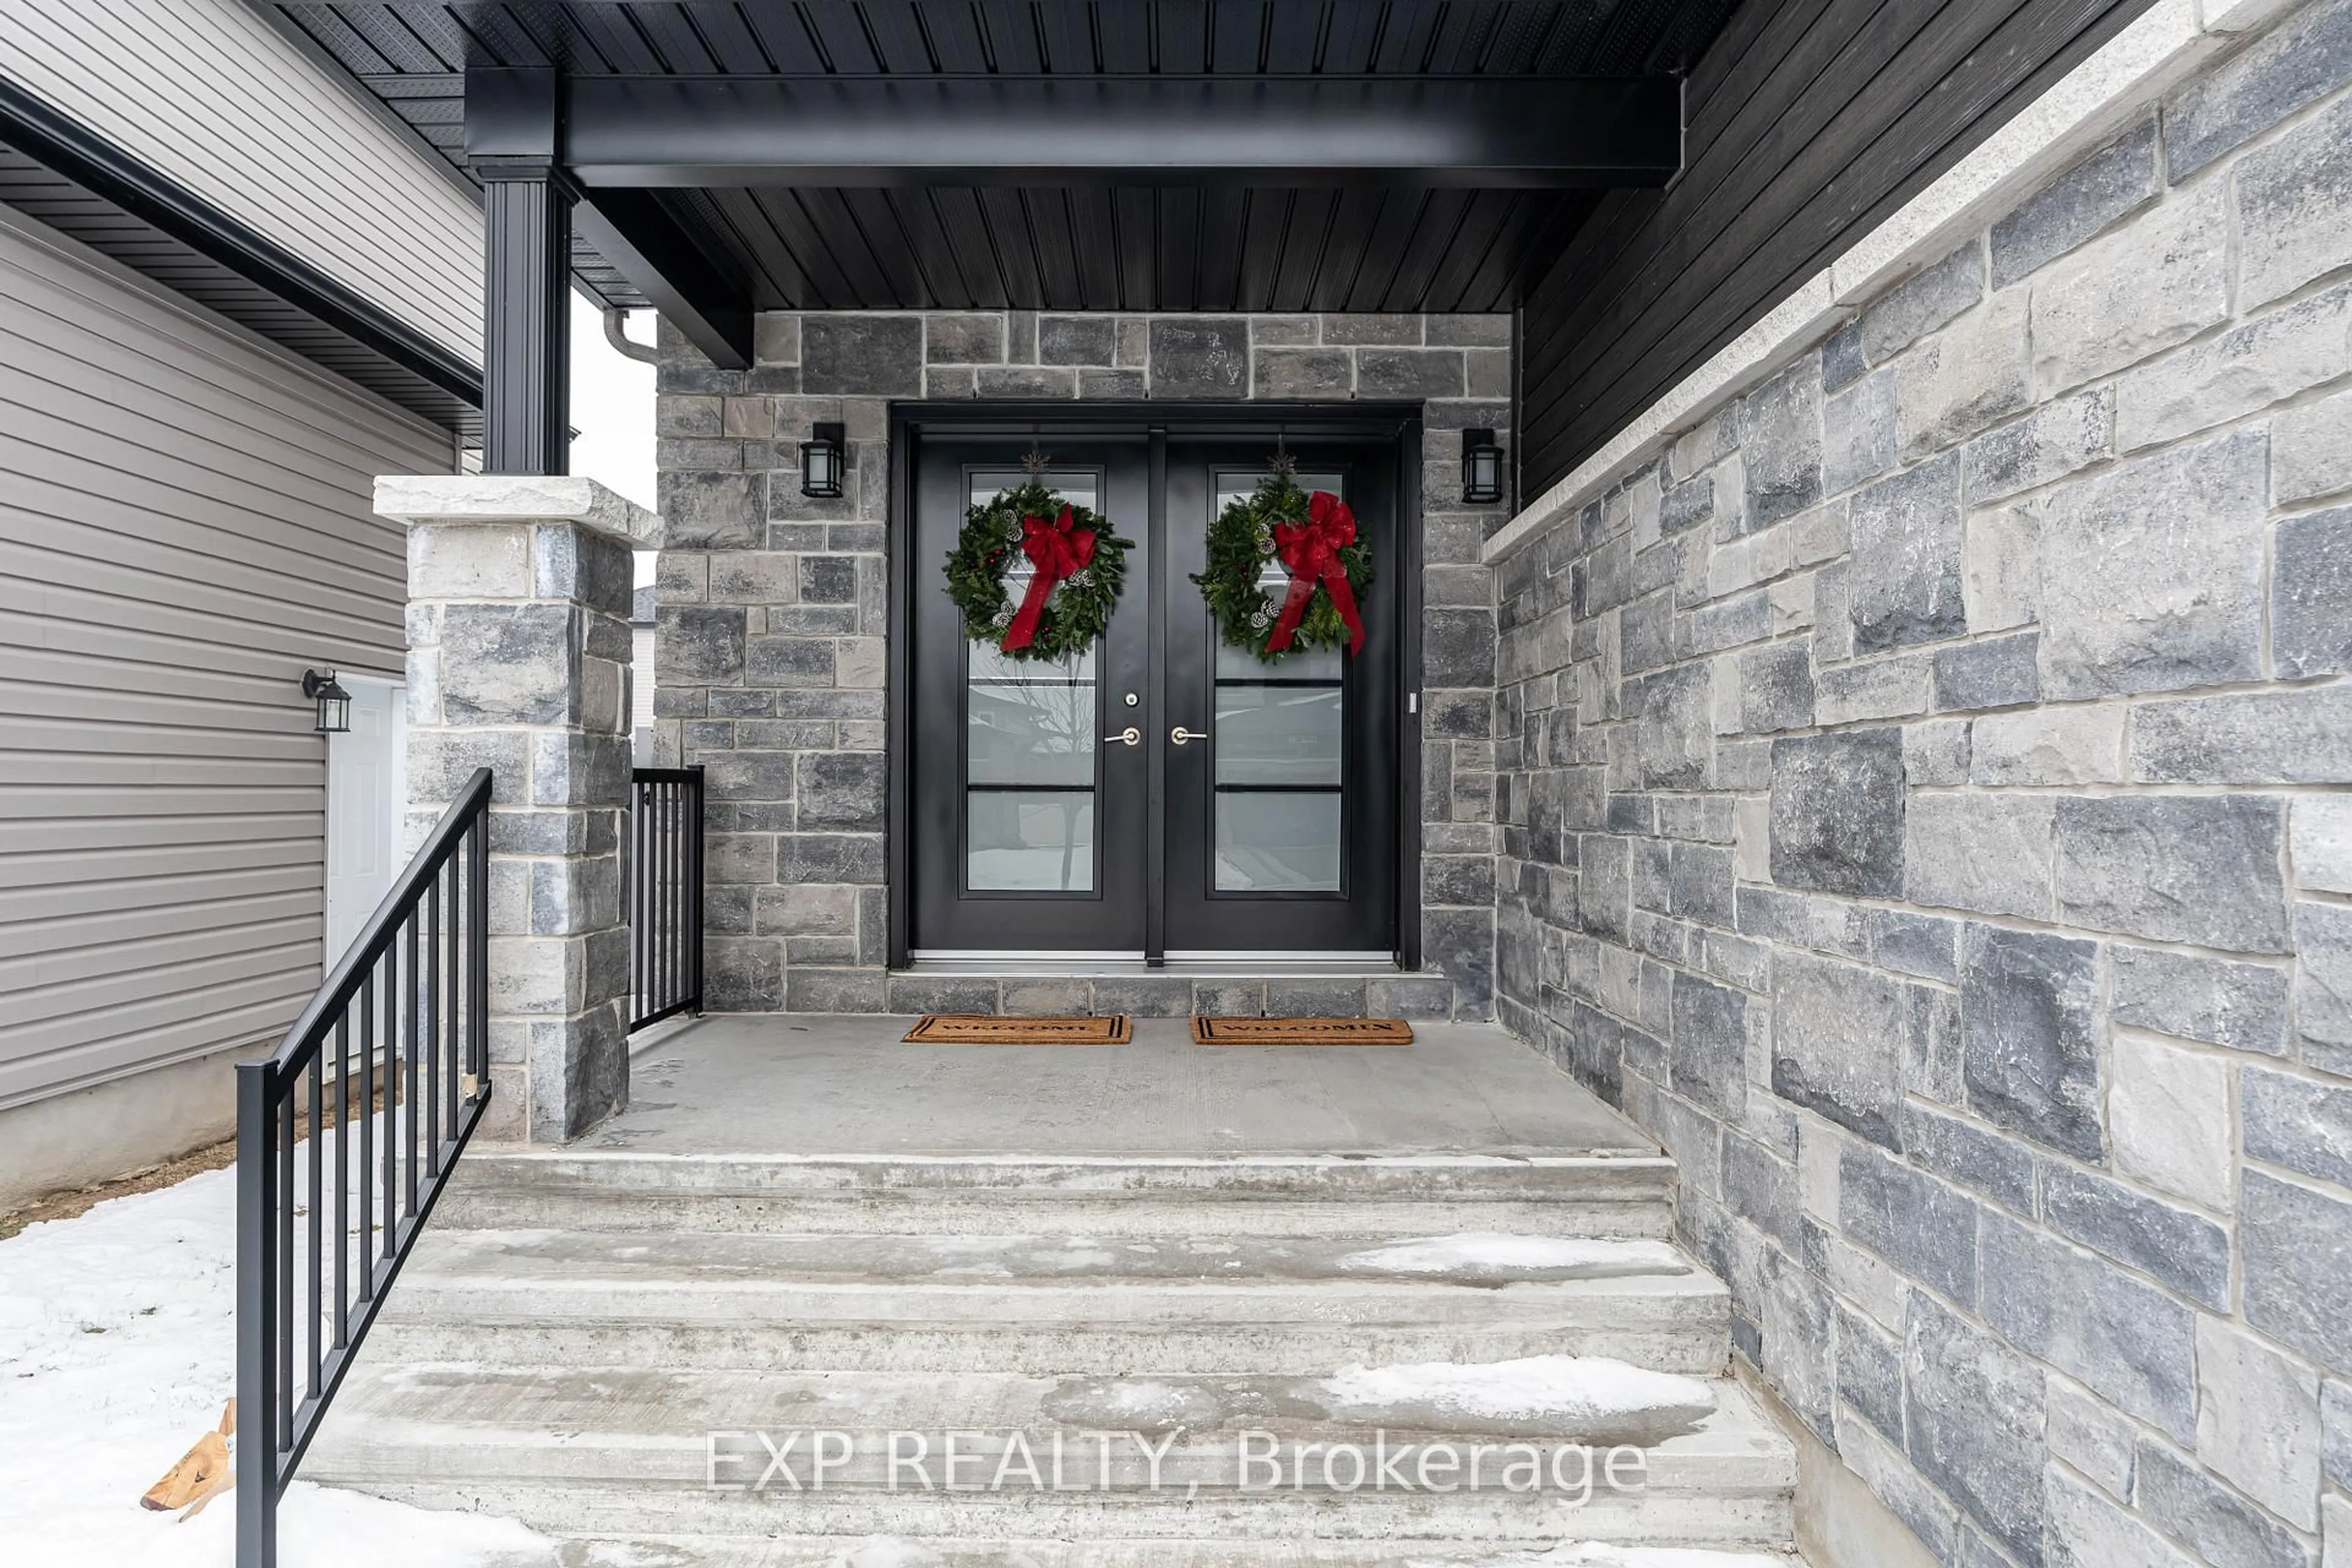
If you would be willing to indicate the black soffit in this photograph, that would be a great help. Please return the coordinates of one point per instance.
(1032, 154)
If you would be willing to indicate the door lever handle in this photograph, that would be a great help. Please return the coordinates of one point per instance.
(1130, 736)
(1180, 734)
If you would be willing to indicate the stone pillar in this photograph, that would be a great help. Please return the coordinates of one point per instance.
(519, 589)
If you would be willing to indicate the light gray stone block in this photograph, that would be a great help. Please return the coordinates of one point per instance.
(2180, 1249)
(1903, 585)
(1908, 944)
(2300, 736)
(2336, 1432)
(1996, 672)
(1973, 372)
(1781, 444)
(2068, 743)
(1858, 432)
(2294, 208)
(2175, 868)
(2046, 446)
(2311, 451)
(2119, 299)
(2217, 1523)
(2249, 367)
(1837, 1038)
(2242, 1005)
(2088, 1530)
(1925, 302)
(1937, 752)
(2298, 1267)
(2323, 986)
(2089, 1435)
(2151, 575)
(2000, 568)
(2320, 843)
(1896, 687)
(2311, 594)
(1988, 854)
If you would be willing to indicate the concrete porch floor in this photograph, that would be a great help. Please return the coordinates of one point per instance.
(788, 1084)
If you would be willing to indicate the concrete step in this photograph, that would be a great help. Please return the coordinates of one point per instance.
(892, 1552)
(1597, 1194)
(1055, 1304)
(627, 1451)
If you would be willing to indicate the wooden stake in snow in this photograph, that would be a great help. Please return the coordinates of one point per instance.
(203, 1473)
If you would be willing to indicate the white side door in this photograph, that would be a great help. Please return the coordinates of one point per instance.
(366, 792)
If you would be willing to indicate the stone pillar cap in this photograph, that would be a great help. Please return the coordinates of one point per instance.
(416, 499)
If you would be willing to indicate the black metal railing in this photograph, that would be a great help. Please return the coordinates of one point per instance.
(665, 894)
(344, 1137)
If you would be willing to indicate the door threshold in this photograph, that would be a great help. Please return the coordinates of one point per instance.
(1179, 965)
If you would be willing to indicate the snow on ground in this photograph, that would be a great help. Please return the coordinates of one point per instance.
(1488, 1254)
(1594, 1397)
(1596, 1554)
(117, 1350)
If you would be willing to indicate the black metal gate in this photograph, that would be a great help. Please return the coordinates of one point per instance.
(665, 894)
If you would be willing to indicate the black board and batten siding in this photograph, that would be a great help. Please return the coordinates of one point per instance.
(1810, 121)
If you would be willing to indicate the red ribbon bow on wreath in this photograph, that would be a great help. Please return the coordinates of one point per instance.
(1310, 550)
(1058, 550)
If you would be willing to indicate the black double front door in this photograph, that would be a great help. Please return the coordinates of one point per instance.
(1162, 796)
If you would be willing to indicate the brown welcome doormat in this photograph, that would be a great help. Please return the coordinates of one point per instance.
(982, 1029)
(1301, 1031)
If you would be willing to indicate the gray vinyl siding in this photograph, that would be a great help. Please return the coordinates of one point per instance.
(184, 527)
(210, 95)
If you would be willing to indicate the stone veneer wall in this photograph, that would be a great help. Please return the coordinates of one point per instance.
(774, 609)
(1923, 802)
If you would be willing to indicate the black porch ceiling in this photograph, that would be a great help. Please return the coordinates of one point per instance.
(1166, 247)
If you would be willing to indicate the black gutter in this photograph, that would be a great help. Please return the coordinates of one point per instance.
(75, 152)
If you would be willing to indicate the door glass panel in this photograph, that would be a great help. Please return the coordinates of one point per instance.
(1277, 841)
(1030, 738)
(1035, 732)
(1277, 734)
(1031, 840)
(1306, 664)
(1278, 743)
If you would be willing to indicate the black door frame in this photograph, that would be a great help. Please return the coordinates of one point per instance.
(909, 422)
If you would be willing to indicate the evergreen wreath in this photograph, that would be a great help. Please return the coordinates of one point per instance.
(1313, 537)
(1080, 561)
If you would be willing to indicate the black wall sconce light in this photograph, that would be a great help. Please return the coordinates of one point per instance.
(1482, 468)
(334, 703)
(821, 462)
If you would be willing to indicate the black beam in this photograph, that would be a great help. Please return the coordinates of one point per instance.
(514, 120)
(70, 150)
(527, 268)
(630, 230)
(1527, 132)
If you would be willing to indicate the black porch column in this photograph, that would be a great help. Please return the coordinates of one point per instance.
(511, 142)
(526, 330)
